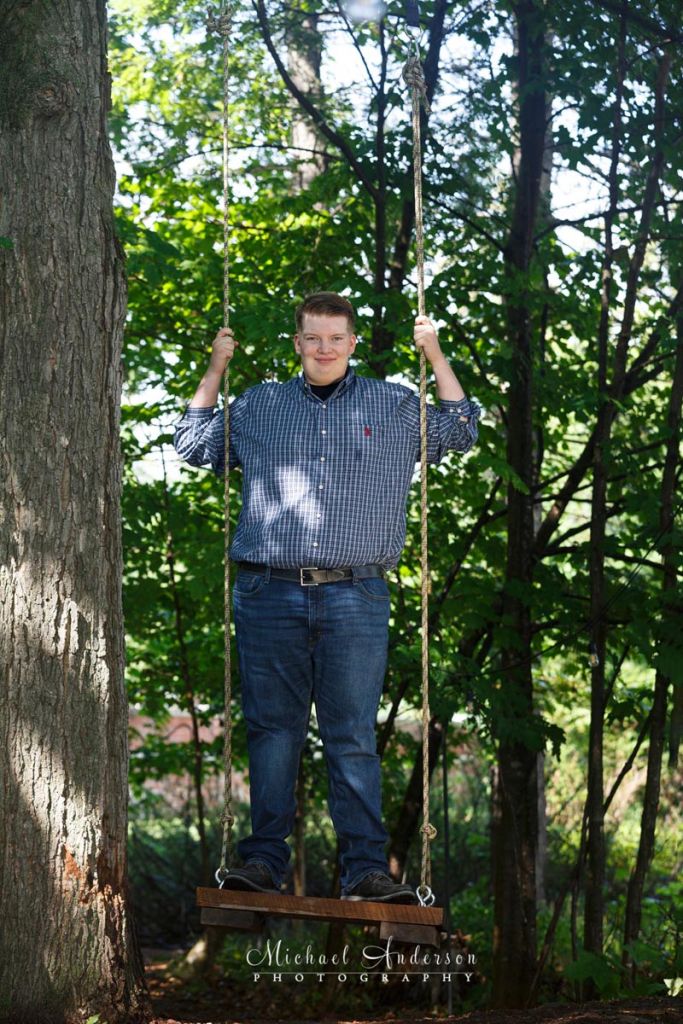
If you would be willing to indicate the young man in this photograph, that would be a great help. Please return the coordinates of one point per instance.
(327, 460)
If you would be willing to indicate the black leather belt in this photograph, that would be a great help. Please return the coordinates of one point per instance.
(311, 576)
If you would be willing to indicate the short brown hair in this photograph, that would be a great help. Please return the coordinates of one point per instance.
(325, 304)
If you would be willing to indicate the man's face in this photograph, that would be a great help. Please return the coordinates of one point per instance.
(324, 344)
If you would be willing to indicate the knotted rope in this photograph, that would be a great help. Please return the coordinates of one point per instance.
(413, 75)
(221, 25)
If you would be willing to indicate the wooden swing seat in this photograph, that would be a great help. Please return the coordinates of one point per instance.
(247, 911)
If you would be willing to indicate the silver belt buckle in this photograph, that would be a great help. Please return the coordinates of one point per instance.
(307, 583)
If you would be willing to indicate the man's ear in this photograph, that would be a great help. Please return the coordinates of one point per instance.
(354, 339)
(296, 344)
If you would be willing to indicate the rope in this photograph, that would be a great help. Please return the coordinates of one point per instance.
(414, 77)
(221, 25)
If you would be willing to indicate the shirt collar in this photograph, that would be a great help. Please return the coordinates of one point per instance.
(343, 385)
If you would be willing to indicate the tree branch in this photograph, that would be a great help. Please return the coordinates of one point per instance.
(666, 32)
(309, 107)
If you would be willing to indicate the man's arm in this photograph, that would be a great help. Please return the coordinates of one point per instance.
(453, 424)
(206, 395)
(448, 386)
(199, 435)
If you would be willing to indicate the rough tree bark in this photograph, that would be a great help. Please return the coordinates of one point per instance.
(514, 829)
(67, 948)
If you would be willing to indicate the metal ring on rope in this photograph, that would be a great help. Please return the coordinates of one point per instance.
(425, 895)
(220, 875)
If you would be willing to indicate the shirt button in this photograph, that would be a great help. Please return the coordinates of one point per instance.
(323, 431)
(319, 515)
(315, 543)
(324, 407)
(322, 458)
(320, 486)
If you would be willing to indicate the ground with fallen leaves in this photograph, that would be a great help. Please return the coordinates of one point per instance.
(221, 1001)
(649, 1010)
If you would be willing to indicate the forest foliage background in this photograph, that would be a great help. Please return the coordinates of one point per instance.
(599, 283)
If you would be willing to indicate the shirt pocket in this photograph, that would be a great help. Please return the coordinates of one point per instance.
(378, 441)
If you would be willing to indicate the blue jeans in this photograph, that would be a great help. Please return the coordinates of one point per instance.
(297, 645)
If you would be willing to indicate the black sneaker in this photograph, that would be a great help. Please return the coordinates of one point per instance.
(255, 876)
(378, 887)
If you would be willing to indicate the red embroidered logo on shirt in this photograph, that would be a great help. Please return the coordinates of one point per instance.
(367, 431)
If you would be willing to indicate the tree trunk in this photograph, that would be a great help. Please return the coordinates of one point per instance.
(409, 818)
(201, 956)
(381, 338)
(594, 903)
(299, 839)
(595, 837)
(670, 622)
(67, 947)
(538, 448)
(304, 52)
(189, 696)
(515, 833)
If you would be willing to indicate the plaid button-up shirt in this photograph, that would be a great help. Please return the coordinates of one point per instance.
(325, 481)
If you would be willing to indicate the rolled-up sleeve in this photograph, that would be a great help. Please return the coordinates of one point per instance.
(199, 437)
(451, 426)
(464, 416)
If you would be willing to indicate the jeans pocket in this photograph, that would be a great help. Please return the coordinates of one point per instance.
(375, 588)
(249, 583)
